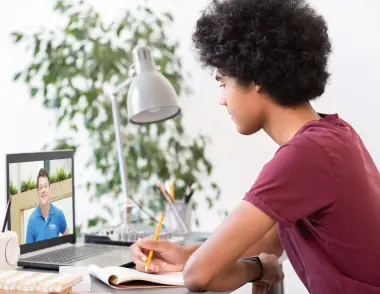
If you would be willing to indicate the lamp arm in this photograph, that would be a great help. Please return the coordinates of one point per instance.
(111, 95)
(119, 145)
(122, 86)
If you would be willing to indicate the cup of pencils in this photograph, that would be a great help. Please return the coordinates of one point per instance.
(177, 211)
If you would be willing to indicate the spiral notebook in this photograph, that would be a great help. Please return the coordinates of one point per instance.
(122, 278)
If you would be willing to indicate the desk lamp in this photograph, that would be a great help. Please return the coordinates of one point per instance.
(151, 99)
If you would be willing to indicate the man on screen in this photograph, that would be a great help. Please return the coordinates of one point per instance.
(46, 221)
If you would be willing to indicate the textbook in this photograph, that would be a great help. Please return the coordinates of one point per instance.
(124, 278)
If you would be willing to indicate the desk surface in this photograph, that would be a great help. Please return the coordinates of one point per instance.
(99, 287)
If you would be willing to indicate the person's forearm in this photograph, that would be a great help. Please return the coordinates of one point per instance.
(269, 244)
(234, 277)
(190, 249)
(264, 247)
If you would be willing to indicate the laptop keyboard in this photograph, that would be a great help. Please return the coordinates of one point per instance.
(70, 254)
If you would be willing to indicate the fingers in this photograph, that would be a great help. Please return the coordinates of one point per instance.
(156, 266)
(153, 268)
(137, 252)
(156, 245)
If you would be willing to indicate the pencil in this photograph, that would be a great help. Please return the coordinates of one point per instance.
(156, 234)
(163, 192)
(172, 191)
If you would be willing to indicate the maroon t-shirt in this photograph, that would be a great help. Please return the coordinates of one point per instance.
(323, 189)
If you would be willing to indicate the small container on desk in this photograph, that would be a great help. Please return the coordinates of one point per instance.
(184, 211)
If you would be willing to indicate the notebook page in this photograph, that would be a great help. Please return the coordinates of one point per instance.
(127, 274)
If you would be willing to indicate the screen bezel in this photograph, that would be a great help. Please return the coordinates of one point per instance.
(41, 156)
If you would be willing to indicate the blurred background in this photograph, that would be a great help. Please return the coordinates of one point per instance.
(54, 54)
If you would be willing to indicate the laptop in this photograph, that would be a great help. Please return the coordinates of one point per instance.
(41, 210)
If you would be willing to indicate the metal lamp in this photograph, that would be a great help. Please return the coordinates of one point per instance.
(151, 99)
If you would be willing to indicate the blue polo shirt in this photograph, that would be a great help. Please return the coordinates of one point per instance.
(40, 228)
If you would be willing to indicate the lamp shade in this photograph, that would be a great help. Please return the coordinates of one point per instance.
(151, 97)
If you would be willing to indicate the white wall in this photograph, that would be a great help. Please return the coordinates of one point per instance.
(353, 93)
(20, 172)
(57, 164)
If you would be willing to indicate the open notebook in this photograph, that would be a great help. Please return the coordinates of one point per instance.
(122, 278)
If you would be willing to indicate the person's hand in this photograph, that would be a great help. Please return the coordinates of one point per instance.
(272, 274)
(167, 256)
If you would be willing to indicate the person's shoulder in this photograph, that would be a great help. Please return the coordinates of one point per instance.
(33, 215)
(330, 133)
(329, 129)
(58, 211)
(315, 143)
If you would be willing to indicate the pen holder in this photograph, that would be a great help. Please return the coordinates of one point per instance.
(184, 210)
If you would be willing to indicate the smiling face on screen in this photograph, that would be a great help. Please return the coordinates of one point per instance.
(43, 189)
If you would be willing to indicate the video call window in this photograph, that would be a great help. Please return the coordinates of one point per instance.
(41, 204)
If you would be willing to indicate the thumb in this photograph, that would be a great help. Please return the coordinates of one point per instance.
(156, 245)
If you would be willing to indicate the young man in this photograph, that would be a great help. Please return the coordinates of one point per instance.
(46, 221)
(319, 196)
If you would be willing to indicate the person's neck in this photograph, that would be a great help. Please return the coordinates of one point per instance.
(45, 208)
(283, 123)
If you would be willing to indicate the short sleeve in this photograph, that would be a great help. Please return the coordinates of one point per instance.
(299, 181)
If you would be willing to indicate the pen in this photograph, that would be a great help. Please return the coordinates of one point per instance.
(190, 194)
(156, 234)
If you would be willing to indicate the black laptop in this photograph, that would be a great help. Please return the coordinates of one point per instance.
(41, 210)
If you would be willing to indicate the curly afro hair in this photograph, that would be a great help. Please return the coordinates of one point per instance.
(283, 46)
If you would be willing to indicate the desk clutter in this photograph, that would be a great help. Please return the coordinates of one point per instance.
(13, 281)
(114, 235)
(176, 226)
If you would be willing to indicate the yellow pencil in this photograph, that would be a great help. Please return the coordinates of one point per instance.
(172, 191)
(163, 192)
(156, 234)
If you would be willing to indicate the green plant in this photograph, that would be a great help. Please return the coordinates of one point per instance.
(68, 66)
(13, 189)
(53, 178)
(28, 185)
(59, 175)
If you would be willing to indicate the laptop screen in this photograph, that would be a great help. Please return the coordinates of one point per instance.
(41, 194)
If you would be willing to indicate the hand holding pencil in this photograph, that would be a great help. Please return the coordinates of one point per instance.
(156, 234)
(165, 257)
